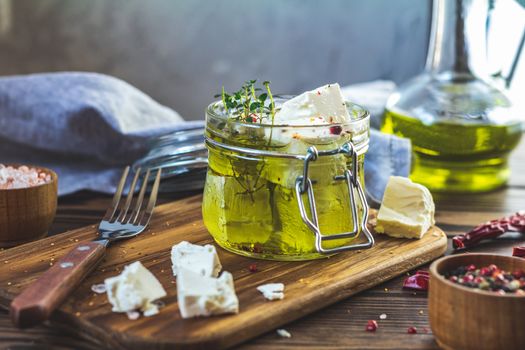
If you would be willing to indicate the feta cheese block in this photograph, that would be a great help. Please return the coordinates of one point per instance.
(200, 259)
(199, 295)
(407, 210)
(322, 106)
(272, 291)
(134, 289)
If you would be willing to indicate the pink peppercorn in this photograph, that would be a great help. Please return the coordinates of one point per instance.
(412, 330)
(485, 271)
(371, 326)
(468, 278)
(253, 267)
(478, 280)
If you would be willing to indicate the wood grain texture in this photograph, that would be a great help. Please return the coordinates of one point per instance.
(340, 326)
(463, 318)
(310, 285)
(37, 302)
(27, 213)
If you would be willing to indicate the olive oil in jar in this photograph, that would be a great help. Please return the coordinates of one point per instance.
(250, 205)
(456, 156)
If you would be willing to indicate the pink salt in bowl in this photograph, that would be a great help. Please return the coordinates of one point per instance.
(27, 205)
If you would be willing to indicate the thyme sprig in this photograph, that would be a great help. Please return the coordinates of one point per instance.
(247, 105)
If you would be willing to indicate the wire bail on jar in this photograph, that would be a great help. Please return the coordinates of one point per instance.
(303, 184)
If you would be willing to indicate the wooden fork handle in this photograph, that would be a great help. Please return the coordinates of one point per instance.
(37, 302)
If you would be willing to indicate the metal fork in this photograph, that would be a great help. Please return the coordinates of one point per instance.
(36, 303)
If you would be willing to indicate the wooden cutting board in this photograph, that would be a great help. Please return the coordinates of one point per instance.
(310, 285)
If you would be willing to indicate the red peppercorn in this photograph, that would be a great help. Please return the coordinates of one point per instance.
(485, 271)
(253, 268)
(335, 130)
(478, 280)
(518, 274)
(519, 252)
(471, 267)
(468, 278)
(499, 276)
(371, 326)
(412, 330)
(493, 268)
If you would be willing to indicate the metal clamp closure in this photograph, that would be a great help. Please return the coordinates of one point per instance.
(303, 184)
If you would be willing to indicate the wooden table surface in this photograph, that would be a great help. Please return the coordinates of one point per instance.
(340, 326)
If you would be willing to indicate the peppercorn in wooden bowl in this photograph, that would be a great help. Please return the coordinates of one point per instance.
(485, 311)
(28, 202)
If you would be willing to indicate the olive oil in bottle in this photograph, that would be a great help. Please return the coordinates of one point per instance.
(456, 157)
(461, 123)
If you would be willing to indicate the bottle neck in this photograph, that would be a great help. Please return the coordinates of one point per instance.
(458, 39)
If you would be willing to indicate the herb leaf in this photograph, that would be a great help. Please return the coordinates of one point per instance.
(245, 105)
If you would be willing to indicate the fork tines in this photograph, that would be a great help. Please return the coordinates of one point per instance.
(119, 211)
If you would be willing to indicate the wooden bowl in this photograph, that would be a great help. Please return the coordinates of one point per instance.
(466, 318)
(27, 213)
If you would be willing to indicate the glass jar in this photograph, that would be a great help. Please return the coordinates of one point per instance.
(286, 192)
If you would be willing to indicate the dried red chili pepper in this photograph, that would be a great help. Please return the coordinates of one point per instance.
(490, 229)
(519, 252)
(418, 281)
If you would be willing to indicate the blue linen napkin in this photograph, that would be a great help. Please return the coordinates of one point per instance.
(86, 126)
(388, 155)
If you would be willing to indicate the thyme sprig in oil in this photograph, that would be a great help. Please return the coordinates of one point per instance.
(249, 104)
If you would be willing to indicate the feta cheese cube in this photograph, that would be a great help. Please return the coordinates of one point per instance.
(407, 210)
(134, 289)
(324, 105)
(199, 295)
(200, 259)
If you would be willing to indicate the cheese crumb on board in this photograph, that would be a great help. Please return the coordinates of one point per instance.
(199, 295)
(199, 259)
(407, 210)
(134, 289)
(272, 291)
(283, 333)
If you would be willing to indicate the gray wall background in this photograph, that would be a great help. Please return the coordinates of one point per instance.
(181, 51)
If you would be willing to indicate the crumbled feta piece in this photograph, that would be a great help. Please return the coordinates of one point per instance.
(200, 259)
(283, 333)
(272, 291)
(199, 295)
(407, 210)
(134, 289)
